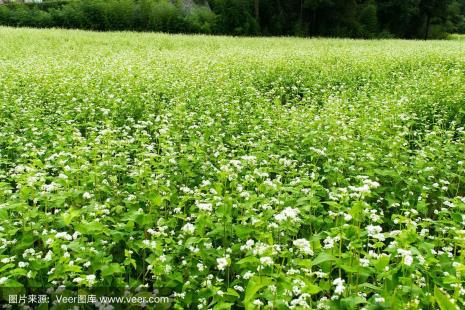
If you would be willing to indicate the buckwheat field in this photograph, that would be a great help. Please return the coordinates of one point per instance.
(276, 173)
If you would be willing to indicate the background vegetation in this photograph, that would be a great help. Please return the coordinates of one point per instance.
(337, 18)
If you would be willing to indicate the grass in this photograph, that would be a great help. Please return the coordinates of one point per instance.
(234, 172)
(457, 37)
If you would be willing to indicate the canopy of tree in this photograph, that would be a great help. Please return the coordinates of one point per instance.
(337, 18)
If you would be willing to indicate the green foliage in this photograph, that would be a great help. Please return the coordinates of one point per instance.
(338, 18)
(368, 17)
(236, 17)
(202, 20)
(315, 173)
(165, 16)
(103, 15)
(443, 300)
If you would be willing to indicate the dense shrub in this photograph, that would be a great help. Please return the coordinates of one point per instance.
(337, 18)
(165, 16)
(102, 15)
(69, 16)
(202, 20)
(368, 20)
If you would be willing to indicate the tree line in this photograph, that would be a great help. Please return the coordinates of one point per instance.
(422, 19)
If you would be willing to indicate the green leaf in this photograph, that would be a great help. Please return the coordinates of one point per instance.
(255, 284)
(357, 211)
(248, 260)
(111, 269)
(457, 217)
(381, 263)
(4, 214)
(348, 268)
(90, 228)
(443, 300)
(72, 268)
(307, 263)
(7, 266)
(222, 306)
(370, 286)
(352, 302)
(69, 216)
(311, 289)
(232, 292)
(322, 258)
(10, 283)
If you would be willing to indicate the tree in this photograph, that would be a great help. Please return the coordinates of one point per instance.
(342, 18)
(433, 9)
(399, 17)
(257, 10)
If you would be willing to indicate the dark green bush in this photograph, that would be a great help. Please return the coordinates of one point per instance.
(120, 14)
(201, 20)
(101, 15)
(165, 16)
(69, 16)
(339, 18)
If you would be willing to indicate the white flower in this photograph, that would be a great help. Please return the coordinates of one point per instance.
(421, 259)
(188, 228)
(339, 283)
(48, 256)
(50, 187)
(266, 261)
(87, 195)
(287, 214)
(248, 245)
(76, 235)
(304, 246)
(238, 288)
(148, 243)
(29, 252)
(329, 242)
(23, 264)
(63, 235)
(3, 280)
(375, 232)
(205, 207)
(222, 263)
(406, 255)
(273, 288)
(408, 260)
(364, 262)
(90, 279)
(362, 189)
(248, 275)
